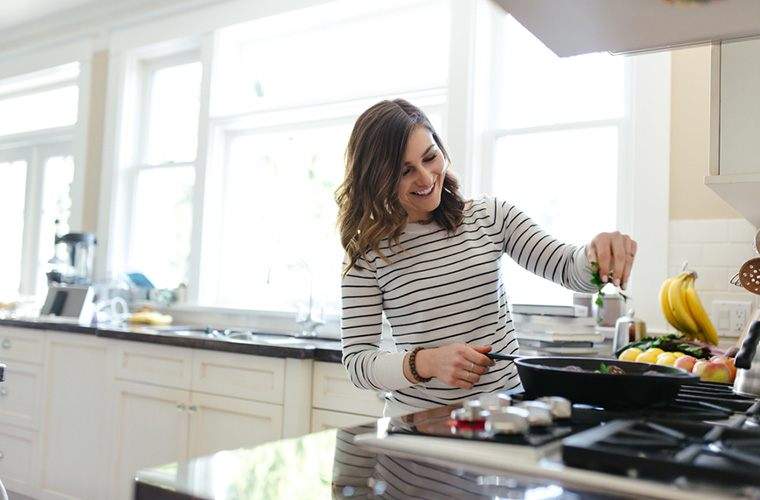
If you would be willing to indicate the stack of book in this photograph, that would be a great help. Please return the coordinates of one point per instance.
(555, 330)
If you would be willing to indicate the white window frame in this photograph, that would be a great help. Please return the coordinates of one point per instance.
(34, 146)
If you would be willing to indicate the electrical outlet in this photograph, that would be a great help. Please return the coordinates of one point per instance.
(731, 317)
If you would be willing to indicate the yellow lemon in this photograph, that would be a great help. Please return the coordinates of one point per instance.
(656, 350)
(666, 359)
(647, 357)
(678, 354)
(629, 354)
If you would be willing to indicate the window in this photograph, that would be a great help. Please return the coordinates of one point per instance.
(163, 177)
(251, 223)
(36, 172)
(558, 149)
(304, 87)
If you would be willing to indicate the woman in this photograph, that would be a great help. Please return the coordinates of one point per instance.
(416, 251)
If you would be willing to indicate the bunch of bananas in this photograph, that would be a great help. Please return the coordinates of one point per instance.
(683, 309)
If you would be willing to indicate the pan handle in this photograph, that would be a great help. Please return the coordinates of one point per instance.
(747, 350)
(502, 357)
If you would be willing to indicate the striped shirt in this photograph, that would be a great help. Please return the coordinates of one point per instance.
(439, 288)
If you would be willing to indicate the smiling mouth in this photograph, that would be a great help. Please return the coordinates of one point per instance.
(424, 192)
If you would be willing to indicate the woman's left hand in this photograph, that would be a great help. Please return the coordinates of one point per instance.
(614, 252)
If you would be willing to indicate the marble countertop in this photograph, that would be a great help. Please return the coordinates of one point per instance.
(329, 465)
(260, 343)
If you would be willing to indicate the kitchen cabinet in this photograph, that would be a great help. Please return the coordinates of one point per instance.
(334, 391)
(321, 420)
(734, 126)
(75, 447)
(18, 460)
(222, 423)
(150, 427)
(21, 395)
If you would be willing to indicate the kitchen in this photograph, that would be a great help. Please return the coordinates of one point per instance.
(195, 145)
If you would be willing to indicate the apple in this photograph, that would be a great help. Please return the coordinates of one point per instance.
(685, 363)
(699, 367)
(716, 372)
(732, 367)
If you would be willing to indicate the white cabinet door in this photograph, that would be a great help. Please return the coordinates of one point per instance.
(18, 453)
(321, 420)
(74, 457)
(334, 391)
(220, 423)
(151, 425)
(21, 395)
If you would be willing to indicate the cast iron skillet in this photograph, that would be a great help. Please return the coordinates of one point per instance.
(544, 376)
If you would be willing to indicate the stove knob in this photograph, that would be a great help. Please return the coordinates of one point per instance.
(539, 414)
(495, 401)
(507, 422)
(560, 407)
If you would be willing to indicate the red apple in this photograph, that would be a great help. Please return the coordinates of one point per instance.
(685, 363)
(716, 372)
(699, 367)
(732, 367)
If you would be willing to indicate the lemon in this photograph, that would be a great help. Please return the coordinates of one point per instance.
(647, 357)
(666, 359)
(655, 350)
(678, 354)
(629, 354)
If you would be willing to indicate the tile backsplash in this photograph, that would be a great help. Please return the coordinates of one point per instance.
(715, 249)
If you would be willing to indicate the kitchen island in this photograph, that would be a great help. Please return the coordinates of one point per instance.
(329, 465)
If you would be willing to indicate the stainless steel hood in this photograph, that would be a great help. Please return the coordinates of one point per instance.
(572, 27)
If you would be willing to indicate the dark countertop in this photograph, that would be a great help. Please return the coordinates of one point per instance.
(262, 344)
(329, 465)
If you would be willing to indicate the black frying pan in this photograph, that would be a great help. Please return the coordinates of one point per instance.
(545, 376)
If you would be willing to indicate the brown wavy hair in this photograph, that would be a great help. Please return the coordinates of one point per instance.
(368, 206)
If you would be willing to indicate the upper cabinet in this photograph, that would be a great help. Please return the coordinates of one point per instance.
(735, 126)
(572, 27)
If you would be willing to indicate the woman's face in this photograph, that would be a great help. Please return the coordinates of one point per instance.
(419, 189)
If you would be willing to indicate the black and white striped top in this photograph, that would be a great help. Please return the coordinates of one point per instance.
(440, 289)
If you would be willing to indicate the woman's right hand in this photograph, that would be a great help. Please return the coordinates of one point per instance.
(456, 365)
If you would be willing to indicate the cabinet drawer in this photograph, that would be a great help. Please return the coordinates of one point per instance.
(322, 420)
(21, 344)
(20, 395)
(17, 456)
(154, 364)
(333, 391)
(257, 378)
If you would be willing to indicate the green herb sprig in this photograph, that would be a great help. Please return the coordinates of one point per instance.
(596, 280)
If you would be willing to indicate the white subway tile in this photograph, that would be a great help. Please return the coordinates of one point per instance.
(711, 278)
(741, 231)
(684, 231)
(725, 254)
(680, 252)
(713, 230)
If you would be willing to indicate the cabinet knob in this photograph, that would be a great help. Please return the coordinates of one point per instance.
(192, 408)
(6, 343)
(2, 455)
(181, 407)
(3, 392)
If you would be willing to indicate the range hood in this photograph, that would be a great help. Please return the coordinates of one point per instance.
(573, 27)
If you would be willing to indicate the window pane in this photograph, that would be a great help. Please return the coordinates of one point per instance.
(41, 110)
(540, 88)
(162, 225)
(56, 205)
(287, 60)
(173, 114)
(567, 182)
(279, 218)
(12, 194)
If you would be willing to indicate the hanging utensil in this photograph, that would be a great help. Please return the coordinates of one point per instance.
(748, 276)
